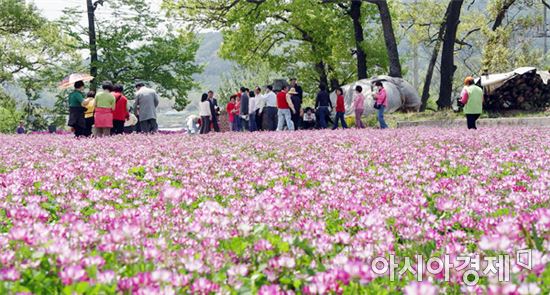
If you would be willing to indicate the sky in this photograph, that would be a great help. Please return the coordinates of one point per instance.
(52, 9)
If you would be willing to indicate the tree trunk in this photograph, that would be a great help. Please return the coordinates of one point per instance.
(92, 42)
(389, 37)
(334, 83)
(448, 67)
(355, 14)
(323, 77)
(502, 13)
(429, 76)
(433, 61)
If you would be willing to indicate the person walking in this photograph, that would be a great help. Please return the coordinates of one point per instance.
(104, 108)
(297, 102)
(215, 109)
(206, 114)
(252, 112)
(244, 107)
(270, 111)
(89, 104)
(472, 99)
(230, 108)
(285, 110)
(76, 111)
(359, 106)
(381, 103)
(340, 110)
(121, 114)
(323, 106)
(145, 106)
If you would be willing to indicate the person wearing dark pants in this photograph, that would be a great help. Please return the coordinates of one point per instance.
(118, 127)
(120, 114)
(76, 110)
(471, 120)
(472, 99)
(297, 102)
(323, 113)
(323, 106)
(270, 112)
(252, 112)
(205, 113)
(340, 110)
(244, 107)
(149, 126)
(89, 104)
(214, 109)
(145, 106)
(259, 105)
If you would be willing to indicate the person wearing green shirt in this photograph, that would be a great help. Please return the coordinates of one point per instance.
(472, 99)
(104, 107)
(76, 111)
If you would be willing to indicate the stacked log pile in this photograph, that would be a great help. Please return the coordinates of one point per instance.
(523, 92)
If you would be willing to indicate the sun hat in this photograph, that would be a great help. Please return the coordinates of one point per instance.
(292, 91)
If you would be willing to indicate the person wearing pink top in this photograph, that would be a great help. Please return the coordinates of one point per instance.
(359, 106)
(382, 103)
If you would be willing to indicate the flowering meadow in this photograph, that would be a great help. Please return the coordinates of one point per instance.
(275, 213)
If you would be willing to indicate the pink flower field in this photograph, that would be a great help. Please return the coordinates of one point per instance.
(413, 211)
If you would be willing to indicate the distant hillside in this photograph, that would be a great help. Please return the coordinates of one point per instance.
(214, 66)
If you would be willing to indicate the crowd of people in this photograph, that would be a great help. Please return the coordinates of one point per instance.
(267, 110)
(107, 112)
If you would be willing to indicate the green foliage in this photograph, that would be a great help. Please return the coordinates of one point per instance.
(303, 38)
(9, 115)
(136, 43)
(30, 44)
(252, 76)
(34, 54)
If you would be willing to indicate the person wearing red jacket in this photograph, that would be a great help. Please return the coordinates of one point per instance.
(231, 112)
(120, 114)
(340, 109)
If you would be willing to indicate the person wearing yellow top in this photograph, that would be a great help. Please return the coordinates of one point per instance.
(89, 104)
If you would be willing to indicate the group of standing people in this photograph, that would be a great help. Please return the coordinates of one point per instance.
(107, 112)
(252, 110)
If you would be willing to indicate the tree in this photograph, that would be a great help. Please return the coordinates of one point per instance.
(91, 7)
(34, 52)
(353, 10)
(28, 42)
(448, 67)
(389, 37)
(241, 76)
(134, 43)
(302, 38)
(508, 44)
(9, 115)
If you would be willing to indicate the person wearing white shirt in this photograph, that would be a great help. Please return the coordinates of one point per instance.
(205, 113)
(270, 111)
(252, 112)
(260, 105)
